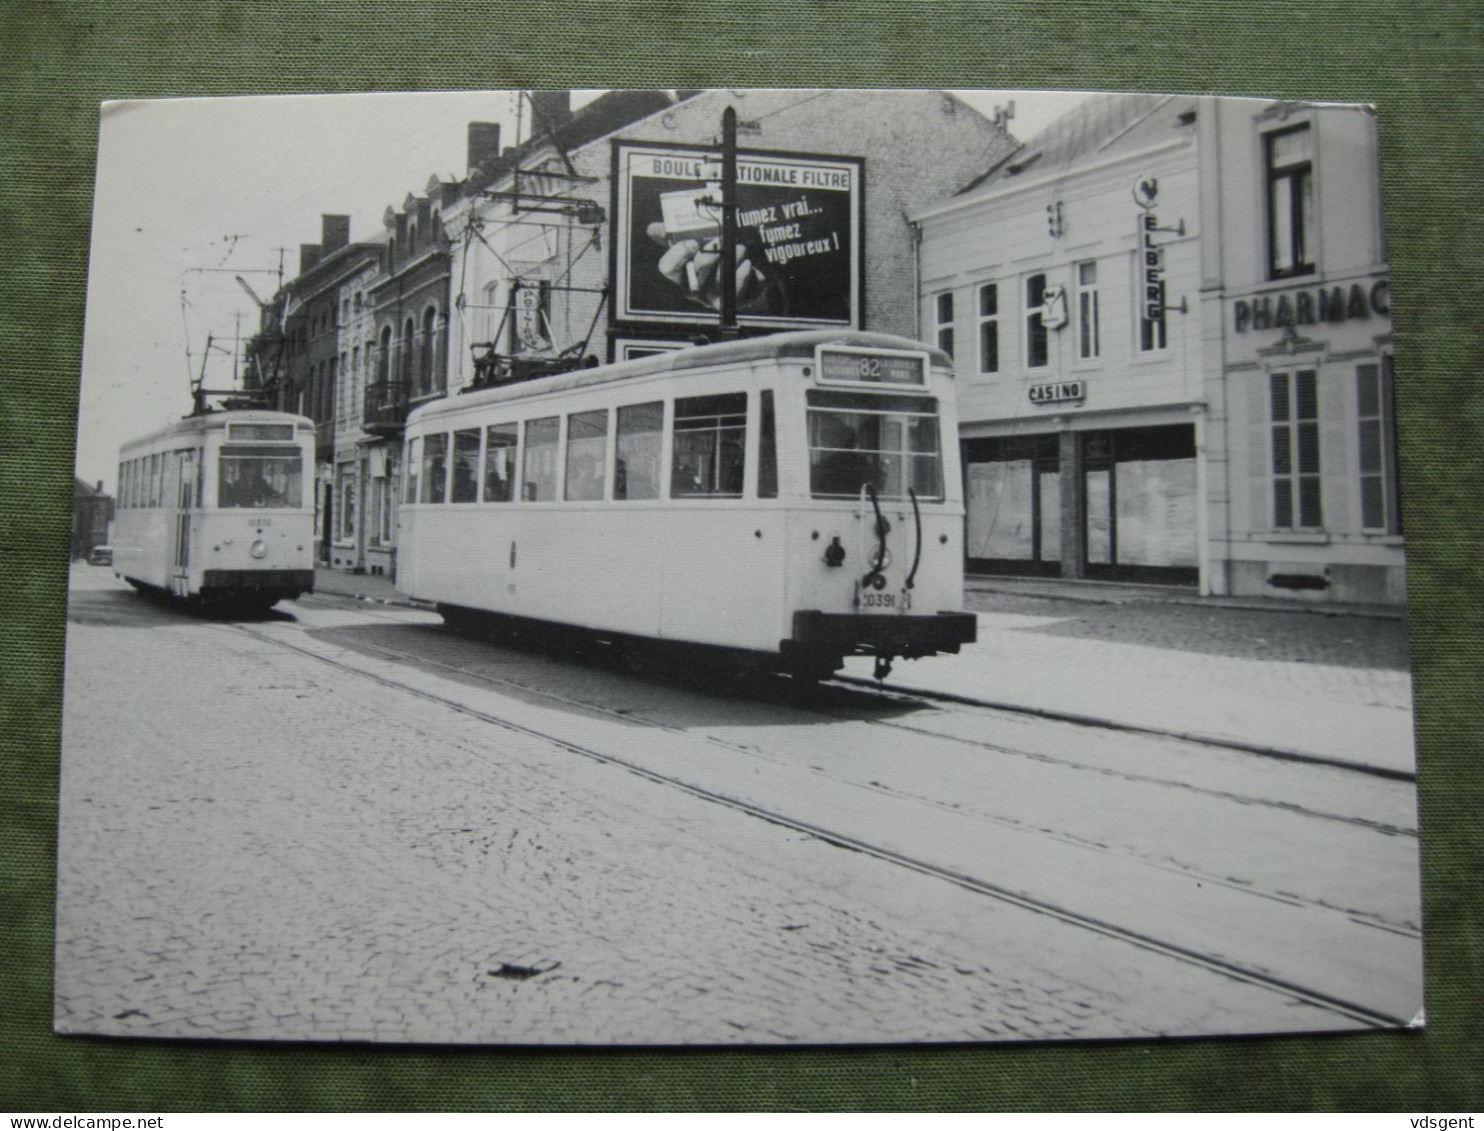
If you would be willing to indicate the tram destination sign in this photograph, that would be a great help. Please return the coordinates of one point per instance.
(872, 367)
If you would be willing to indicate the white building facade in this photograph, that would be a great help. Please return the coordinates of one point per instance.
(1171, 322)
(1303, 497)
(1081, 399)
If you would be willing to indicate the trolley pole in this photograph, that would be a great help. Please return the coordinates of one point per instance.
(728, 265)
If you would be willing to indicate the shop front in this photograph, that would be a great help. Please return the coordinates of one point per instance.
(1129, 515)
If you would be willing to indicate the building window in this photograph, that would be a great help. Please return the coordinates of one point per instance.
(1088, 336)
(989, 328)
(426, 377)
(1037, 347)
(943, 312)
(1290, 174)
(1379, 498)
(384, 357)
(1295, 413)
(346, 511)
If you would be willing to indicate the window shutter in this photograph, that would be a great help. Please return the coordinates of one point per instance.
(1259, 452)
(1337, 453)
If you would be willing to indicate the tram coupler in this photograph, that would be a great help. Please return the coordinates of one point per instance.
(883, 666)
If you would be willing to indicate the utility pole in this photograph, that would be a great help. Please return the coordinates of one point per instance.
(728, 265)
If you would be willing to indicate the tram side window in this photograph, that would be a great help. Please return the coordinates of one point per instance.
(465, 466)
(709, 448)
(888, 443)
(259, 477)
(154, 480)
(413, 463)
(636, 465)
(499, 462)
(435, 468)
(767, 450)
(538, 471)
(587, 452)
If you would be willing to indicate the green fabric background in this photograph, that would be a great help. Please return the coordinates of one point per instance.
(1420, 62)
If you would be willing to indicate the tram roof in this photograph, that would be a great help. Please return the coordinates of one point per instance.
(210, 421)
(797, 345)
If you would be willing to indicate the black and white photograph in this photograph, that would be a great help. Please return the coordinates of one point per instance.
(737, 567)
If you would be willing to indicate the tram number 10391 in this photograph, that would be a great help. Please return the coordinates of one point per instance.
(885, 601)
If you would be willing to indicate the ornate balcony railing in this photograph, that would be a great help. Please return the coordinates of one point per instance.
(385, 411)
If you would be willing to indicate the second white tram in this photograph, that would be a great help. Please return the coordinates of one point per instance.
(796, 498)
(215, 508)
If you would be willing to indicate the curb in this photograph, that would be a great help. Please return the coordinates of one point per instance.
(1092, 597)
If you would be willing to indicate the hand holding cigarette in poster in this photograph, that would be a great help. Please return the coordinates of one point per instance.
(693, 265)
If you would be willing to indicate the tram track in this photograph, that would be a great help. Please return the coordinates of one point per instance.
(1076, 719)
(895, 694)
(1235, 968)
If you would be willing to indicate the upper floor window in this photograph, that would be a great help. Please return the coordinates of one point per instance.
(1290, 176)
(1089, 344)
(989, 328)
(943, 315)
(1037, 347)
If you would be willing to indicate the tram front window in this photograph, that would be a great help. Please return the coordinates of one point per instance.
(260, 478)
(887, 442)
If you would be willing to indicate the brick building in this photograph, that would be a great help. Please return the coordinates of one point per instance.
(92, 511)
(565, 249)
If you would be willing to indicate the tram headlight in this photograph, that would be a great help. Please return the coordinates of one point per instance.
(258, 549)
(880, 557)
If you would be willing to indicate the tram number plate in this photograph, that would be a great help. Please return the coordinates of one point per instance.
(882, 601)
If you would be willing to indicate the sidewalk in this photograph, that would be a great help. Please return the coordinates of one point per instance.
(1122, 593)
(1346, 716)
(362, 586)
(1343, 715)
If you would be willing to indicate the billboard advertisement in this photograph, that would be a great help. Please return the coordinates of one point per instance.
(798, 237)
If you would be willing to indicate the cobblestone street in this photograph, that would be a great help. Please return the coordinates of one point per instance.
(257, 845)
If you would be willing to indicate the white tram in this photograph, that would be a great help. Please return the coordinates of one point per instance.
(214, 508)
(794, 497)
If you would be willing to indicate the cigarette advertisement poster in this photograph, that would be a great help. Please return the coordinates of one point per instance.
(798, 237)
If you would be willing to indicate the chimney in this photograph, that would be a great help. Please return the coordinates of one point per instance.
(309, 256)
(334, 233)
(550, 110)
(484, 145)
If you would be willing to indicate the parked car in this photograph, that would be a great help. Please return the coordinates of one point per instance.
(101, 555)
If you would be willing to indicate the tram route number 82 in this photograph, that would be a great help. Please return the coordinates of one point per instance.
(873, 369)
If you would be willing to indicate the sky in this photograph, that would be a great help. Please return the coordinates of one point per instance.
(193, 192)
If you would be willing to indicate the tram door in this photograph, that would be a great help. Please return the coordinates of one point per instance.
(185, 478)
